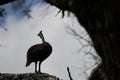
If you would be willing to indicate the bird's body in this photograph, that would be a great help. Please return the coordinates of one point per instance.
(38, 53)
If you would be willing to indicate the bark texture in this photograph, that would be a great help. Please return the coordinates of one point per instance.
(101, 19)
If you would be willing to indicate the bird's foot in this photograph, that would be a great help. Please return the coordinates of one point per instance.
(36, 71)
(39, 72)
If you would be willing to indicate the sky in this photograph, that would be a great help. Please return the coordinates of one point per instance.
(22, 33)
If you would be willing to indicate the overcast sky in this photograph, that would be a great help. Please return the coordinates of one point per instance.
(22, 34)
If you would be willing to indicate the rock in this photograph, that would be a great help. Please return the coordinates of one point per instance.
(27, 76)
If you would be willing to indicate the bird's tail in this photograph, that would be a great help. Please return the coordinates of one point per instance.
(28, 63)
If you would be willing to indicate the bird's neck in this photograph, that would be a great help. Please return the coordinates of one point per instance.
(43, 40)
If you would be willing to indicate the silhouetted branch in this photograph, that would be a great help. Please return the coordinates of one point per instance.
(74, 33)
(69, 73)
(2, 12)
(17, 5)
(84, 41)
(27, 10)
(27, 13)
(3, 27)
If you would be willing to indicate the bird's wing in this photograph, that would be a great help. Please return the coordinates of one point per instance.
(35, 49)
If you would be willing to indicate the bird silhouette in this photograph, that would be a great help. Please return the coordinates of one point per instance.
(38, 53)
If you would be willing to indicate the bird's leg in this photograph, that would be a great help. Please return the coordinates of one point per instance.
(39, 67)
(35, 67)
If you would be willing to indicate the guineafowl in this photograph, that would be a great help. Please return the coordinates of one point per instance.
(38, 53)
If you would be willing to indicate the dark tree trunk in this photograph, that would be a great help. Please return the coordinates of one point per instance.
(2, 2)
(101, 19)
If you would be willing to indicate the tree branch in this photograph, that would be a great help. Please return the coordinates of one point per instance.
(69, 73)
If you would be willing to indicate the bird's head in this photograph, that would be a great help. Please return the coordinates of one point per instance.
(41, 36)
